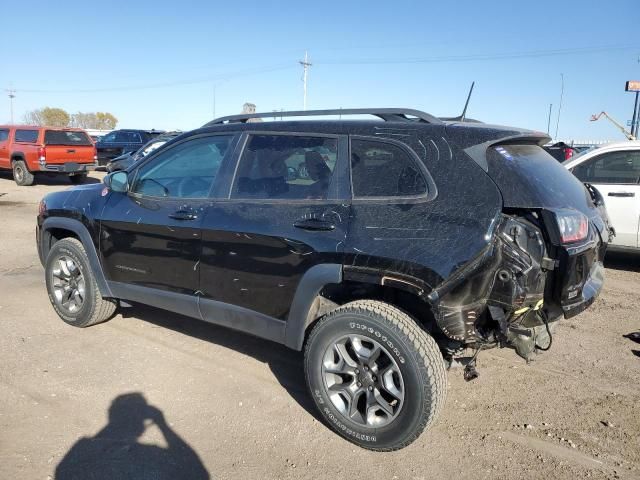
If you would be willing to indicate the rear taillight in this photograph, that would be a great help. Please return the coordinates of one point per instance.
(95, 153)
(42, 154)
(572, 225)
(42, 207)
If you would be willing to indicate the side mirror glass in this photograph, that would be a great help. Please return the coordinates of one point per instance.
(117, 181)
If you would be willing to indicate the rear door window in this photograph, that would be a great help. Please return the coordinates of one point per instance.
(128, 137)
(382, 169)
(62, 137)
(26, 136)
(4, 134)
(611, 168)
(286, 167)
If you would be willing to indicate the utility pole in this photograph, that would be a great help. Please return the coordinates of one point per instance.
(555, 138)
(549, 118)
(634, 118)
(12, 95)
(305, 66)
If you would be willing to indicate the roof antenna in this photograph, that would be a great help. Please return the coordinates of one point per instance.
(466, 104)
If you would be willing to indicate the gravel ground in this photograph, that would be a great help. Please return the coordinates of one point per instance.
(208, 402)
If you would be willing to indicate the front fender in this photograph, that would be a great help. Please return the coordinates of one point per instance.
(83, 234)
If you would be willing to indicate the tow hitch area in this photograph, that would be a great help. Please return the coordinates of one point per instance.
(510, 295)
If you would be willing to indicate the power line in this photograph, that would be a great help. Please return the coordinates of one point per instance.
(207, 79)
(370, 61)
(481, 57)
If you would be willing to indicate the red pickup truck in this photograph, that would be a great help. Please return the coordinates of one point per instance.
(28, 151)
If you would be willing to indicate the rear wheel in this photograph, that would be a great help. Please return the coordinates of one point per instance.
(78, 178)
(376, 377)
(21, 174)
(72, 287)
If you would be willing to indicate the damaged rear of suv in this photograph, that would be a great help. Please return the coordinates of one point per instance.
(383, 249)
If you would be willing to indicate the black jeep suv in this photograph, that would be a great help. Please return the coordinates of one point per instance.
(384, 248)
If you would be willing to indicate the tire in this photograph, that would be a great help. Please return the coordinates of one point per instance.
(69, 253)
(418, 376)
(78, 178)
(21, 174)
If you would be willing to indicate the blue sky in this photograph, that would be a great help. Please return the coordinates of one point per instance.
(155, 64)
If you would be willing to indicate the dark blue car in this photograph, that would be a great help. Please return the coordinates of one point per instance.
(119, 142)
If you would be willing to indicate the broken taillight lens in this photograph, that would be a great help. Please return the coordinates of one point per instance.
(573, 225)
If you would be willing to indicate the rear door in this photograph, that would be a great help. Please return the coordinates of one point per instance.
(285, 212)
(4, 148)
(151, 236)
(68, 146)
(616, 174)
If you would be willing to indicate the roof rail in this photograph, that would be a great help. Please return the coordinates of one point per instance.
(386, 114)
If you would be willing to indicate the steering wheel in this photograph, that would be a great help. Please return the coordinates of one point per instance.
(194, 187)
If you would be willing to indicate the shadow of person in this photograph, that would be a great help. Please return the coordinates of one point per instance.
(115, 453)
(284, 363)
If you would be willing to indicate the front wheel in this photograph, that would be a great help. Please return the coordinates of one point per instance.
(72, 287)
(376, 377)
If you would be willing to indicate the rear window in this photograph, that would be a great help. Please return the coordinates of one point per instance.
(26, 136)
(380, 169)
(60, 137)
(529, 177)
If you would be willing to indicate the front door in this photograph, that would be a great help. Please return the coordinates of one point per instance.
(151, 236)
(284, 214)
(616, 175)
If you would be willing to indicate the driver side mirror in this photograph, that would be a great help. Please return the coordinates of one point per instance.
(117, 181)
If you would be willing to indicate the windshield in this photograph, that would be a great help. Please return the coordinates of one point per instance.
(65, 137)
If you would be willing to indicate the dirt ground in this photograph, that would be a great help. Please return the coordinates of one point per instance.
(213, 403)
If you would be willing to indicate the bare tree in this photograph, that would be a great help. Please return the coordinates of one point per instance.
(94, 120)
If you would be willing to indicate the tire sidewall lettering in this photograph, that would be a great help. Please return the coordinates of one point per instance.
(360, 326)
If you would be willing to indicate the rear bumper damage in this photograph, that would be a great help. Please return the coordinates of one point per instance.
(515, 290)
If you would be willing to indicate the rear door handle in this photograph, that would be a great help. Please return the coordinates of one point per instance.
(314, 224)
(183, 215)
(621, 194)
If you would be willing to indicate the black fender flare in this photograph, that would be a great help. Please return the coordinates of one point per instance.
(83, 234)
(308, 289)
(15, 156)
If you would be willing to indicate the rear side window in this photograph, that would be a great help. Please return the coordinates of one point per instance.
(26, 136)
(613, 168)
(60, 137)
(286, 167)
(380, 169)
(4, 134)
(128, 137)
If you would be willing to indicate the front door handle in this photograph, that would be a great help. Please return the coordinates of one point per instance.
(183, 215)
(314, 224)
(621, 194)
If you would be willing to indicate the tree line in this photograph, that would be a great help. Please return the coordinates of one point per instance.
(57, 117)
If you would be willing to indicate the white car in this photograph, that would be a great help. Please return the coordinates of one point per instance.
(614, 169)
